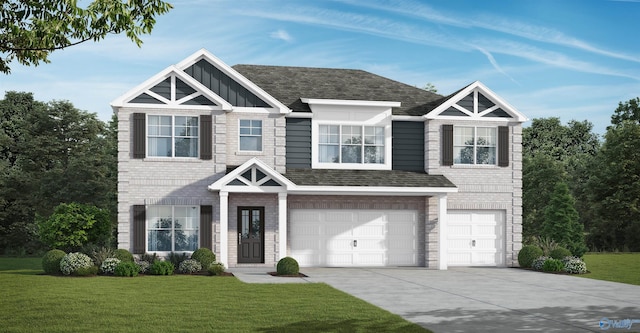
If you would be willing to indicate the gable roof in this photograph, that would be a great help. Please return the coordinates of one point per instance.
(291, 84)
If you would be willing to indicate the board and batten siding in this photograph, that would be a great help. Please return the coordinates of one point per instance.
(223, 85)
(407, 146)
(298, 143)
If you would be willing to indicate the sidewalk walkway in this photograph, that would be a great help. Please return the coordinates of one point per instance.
(261, 275)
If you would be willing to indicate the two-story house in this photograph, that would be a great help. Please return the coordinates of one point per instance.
(334, 167)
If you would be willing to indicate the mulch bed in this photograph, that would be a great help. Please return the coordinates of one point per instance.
(276, 274)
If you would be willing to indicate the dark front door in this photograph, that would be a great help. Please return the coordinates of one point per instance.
(250, 234)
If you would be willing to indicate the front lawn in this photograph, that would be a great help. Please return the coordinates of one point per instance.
(31, 302)
(617, 267)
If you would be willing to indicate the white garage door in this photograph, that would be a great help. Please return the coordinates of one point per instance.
(475, 238)
(321, 237)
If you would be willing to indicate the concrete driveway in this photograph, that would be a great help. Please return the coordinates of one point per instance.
(489, 299)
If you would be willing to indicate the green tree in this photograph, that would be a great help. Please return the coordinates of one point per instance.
(614, 187)
(74, 225)
(627, 111)
(31, 30)
(561, 221)
(430, 87)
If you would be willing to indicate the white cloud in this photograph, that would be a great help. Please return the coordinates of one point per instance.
(281, 34)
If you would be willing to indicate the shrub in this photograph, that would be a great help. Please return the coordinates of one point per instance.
(176, 258)
(538, 263)
(143, 265)
(86, 271)
(217, 268)
(287, 266)
(100, 254)
(123, 255)
(161, 268)
(560, 253)
(189, 266)
(126, 268)
(150, 258)
(204, 256)
(108, 265)
(546, 244)
(574, 265)
(51, 261)
(552, 265)
(70, 263)
(528, 254)
(73, 225)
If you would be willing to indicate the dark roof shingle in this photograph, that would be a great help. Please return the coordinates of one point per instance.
(373, 178)
(289, 84)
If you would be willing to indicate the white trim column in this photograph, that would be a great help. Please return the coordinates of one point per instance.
(282, 225)
(224, 228)
(442, 232)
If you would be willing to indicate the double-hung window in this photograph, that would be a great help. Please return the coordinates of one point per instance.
(172, 228)
(250, 135)
(351, 144)
(172, 136)
(474, 145)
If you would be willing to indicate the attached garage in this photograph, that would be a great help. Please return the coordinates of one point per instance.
(476, 238)
(345, 237)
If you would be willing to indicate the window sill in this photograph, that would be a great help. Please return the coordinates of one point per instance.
(249, 153)
(173, 159)
(475, 166)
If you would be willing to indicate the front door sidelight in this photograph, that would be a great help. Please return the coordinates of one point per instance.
(250, 234)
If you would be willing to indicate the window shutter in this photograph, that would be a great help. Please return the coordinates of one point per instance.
(447, 144)
(206, 216)
(139, 229)
(205, 137)
(503, 146)
(139, 135)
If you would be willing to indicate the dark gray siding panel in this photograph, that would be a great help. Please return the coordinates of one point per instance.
(484, 103)
(222, 85)
(298, 143)
(145, 99)
(467, 102)
(163, 88)
(407, 146)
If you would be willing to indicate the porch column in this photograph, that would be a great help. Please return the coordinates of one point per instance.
(282, 225)
(442, 232)
(224, 228)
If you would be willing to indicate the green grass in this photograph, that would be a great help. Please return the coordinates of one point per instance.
(32, 302)
(616, 267)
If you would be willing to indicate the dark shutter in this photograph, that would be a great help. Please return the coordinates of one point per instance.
(139, 229)
(503, 146)
(206, 216)
(139, 135)
(205, 137)
(447, 144)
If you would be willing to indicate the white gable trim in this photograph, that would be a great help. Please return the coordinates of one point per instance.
(171, 71)
(344, 102)
(208, 56)
(250, 187)
(476, 87)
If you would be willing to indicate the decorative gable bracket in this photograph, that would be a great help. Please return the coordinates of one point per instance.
(476, 102)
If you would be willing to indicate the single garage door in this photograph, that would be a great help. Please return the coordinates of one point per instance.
(476, 238)
(323, 237)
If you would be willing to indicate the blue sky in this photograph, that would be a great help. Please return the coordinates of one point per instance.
(573, 59)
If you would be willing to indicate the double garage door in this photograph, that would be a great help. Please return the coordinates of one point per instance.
(476, 238)
(324, 237)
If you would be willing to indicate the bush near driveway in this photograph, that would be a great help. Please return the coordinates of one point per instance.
(528, 254)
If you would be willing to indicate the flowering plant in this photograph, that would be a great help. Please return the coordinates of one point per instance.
(189, 266)
(574, 265)
(538, 263)
(71, 262)
(108, 265)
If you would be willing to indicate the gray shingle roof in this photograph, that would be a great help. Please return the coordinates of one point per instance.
(374, 178)
(289, 84)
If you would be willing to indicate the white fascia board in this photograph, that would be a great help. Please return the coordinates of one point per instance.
(139, 89)
(204, 54)
(372, 190)
(408, 118)
(345, 102)
(435, 113)
(221, 183)
(299, 115)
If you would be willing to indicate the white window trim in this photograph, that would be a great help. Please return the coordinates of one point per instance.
(475, 135)
(251, 152)
(166, 253)
(315, 139)
(173, 138)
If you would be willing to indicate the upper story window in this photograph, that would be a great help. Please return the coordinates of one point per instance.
(351, 144)
(172, 228)
(250, 135)
(172, 136)
(474, 145)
